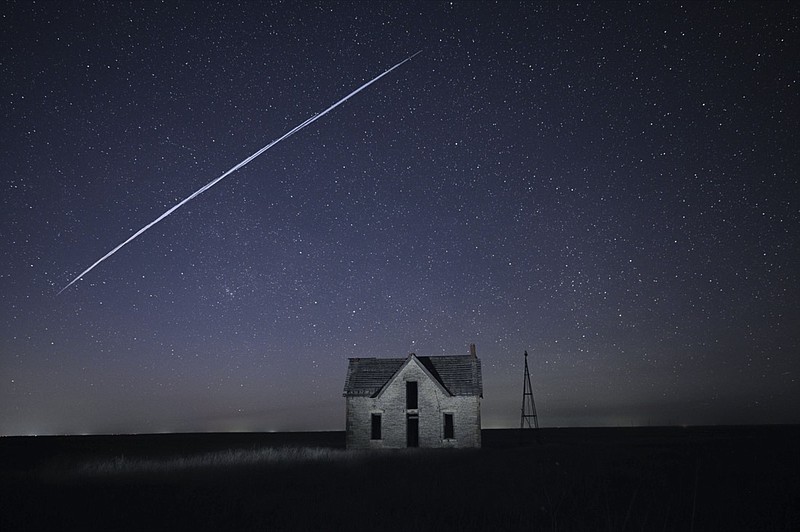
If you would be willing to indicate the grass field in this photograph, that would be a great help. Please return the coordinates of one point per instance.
(703, 478)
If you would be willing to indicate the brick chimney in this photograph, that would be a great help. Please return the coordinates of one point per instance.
(472, 352)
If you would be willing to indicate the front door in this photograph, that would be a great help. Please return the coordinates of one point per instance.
(412, 431)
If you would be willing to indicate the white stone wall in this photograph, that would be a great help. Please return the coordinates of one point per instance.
(433, 403)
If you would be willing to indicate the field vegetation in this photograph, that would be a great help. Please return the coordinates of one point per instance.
(563, 479)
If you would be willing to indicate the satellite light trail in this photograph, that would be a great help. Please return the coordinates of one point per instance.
(210, 184)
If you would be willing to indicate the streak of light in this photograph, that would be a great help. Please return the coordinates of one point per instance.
(210, 184)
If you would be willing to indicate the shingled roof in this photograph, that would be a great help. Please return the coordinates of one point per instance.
(458, 374)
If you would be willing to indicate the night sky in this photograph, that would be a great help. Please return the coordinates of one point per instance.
(612, 187)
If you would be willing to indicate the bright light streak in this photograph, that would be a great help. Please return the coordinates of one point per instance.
(226, 174)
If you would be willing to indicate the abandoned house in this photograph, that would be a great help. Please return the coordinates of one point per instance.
(415, 401)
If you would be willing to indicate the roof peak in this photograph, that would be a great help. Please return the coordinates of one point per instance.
(409, 355)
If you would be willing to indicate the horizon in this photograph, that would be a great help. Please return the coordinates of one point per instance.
(342, 431)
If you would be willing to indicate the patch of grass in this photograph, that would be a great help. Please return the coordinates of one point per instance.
(224, 460)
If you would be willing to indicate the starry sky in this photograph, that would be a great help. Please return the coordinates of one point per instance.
(612, 187)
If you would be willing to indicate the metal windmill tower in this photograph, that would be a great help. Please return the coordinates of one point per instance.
(528, 405)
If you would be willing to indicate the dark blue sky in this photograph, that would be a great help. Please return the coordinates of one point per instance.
(612, 187)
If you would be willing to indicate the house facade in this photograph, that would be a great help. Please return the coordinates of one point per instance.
(414, 402)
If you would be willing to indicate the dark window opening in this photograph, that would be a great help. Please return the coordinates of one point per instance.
(411, 395)
(449, 432)
(376, 427)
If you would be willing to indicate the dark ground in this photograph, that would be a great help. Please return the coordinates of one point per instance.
(697, 478)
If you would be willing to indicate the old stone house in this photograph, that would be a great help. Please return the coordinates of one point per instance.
(415, 401)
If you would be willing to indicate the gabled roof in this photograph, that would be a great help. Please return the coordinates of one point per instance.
(457, 374)
(412, 359)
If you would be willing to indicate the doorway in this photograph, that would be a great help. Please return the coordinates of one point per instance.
(412, 431)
